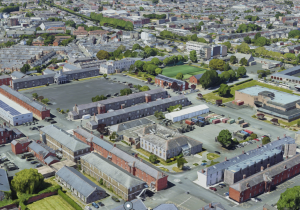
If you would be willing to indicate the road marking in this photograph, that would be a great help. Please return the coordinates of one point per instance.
(184, 201)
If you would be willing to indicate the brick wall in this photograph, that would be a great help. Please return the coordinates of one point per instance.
(5, 81)
(41, 196)
(19, 149)
(83, 139)
(10, 206)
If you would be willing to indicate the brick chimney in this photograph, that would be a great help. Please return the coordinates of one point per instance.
(243, 152)
(261, 168)
(244, 176)
(202, 171)
(114, 145)
(284, 166)
(209, 205)
(225, 158)
(278, 137)
(257, 146)
(268, 165)
(284, 135)
(287, 157)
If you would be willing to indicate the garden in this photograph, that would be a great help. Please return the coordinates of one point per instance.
(186, 70)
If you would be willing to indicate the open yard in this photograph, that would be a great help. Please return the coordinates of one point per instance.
(212, 97)
(53, 202)
(186, 70)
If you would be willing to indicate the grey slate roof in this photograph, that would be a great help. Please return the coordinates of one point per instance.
(92, 138)
(23, 98)
(39, 149)
(198, 76)
(78, 181)
(130, 124)
(18, 74)
(267, 173)
(49, 159)
(139, 107)
(137, 205)
(252, 153)
(166, 206)
(4, 183)
(111, 170)
(168, 79)
(64, 138)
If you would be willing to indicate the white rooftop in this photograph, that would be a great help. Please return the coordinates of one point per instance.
(12, 107)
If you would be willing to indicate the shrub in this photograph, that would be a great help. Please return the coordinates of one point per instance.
(23, 206)
(101, 181)
(58, 109)
(69, 200)
(204, 161)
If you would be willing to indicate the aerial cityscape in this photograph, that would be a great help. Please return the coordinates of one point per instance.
(149, 105)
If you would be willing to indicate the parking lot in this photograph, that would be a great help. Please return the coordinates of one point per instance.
(5, 151)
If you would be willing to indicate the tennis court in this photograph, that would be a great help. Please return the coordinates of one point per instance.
(186, 70)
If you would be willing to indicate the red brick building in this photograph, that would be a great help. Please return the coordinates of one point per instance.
(38, 110)
(80, 31)
(195, 79)
(8, 134)
(164, 81)
(129, 163)
(265, 180)
(5, 80)
(20, 146)
(41, 151)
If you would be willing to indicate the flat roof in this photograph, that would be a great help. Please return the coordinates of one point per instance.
(280, 97)
(12, 107)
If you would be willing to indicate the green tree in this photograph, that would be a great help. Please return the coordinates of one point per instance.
(155, 1)
(180, 162)
(225, 138)
(294, 33)
(45, 101)
(209, 79)
(156, 61)
(194, 37)
(101, 181)
(98, 98)
(122, 48)
(102, 55)
(224, 90)
(257, 35)
(244, 62)
(290, 199)
(142, 9)
(139, 65)
(226, 67)
(27, 181)
(179, 76)
(243, 48)
(125, 91)
(247, 40)
(144, 88)
(241, 71)
(225, 76)
(233, 59)
(217, 64)
(159, 115)
(153, 158)
(227, 44)
(253, 136)
(266, 140)
(35, 95)
(158, 71)
(136, 47)
(104, 75)
(193, 56)
(25, 68)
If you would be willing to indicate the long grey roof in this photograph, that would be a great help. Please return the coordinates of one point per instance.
(139, 107)
(111, 170)
(92, 138)
(24, 98)
(166, 206)
(64, 138)
(265, 174)
(250, 154)
(168, 79)
(78, 181)
(39, 149)
(121, 98)
(4, 183)
(130, 124)
(49, 159)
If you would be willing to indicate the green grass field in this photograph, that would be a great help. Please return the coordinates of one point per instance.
(186, 70)
(53, 202)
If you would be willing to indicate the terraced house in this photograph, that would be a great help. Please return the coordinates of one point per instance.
(69, 146)
(115, 178)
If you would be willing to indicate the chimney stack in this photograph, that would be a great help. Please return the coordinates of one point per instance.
(268, 165)
(284, 166)
(209, 205)
(225, 158)
(244, 176)
(202, 171)
(284, 135)
(114, 145)
(287, 157)
(261, 168)
(257, 146)
(243, 152)
(260, 145)
(278, 138)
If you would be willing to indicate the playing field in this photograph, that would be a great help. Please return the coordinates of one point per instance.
(53, 202)
(186, 70)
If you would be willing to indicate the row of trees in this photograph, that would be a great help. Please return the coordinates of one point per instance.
(247, 28)
(98, 98)
(169, 35)
(155, 16)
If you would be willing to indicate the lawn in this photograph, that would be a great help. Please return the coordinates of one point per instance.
(212, 163)
(212, 97)
(53, 202)
(186, 70)
(212, 156)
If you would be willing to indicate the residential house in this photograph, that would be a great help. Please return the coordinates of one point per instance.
(164, 81)
(20, 146)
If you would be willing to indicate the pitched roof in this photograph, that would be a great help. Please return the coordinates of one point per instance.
(170, 80)
(111, 170)
(40, 148)
(49, 159)
(78, 181)
(64, 138)
(266, 174)
(166, 206)
(23, 98)
(4, 183)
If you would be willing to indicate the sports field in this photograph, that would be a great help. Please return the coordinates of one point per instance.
(186, 70)
(53, 202)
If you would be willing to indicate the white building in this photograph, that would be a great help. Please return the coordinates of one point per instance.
(187, 113)
(147, 37)
(205, 50)
(111, 66)
(13, 113)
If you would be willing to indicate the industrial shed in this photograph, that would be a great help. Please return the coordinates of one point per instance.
(187, 113)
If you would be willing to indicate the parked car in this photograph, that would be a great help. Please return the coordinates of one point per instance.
(254, 199)
(34, 162)
(95, 205)
(203, 164)
(100, 204)
(115, 199)
(217, 152)
(38, 165)
(29, 159)
(256, 139)
(213, 188)
(223, 185)
(226, 194)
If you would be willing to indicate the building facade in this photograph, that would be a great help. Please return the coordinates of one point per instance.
(20, 146)
(112, 66)
(5, 80)
(39, 111)
(64, 143)
(206, 51)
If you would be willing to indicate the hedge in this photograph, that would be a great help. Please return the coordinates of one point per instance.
(69, 200)
(238, 83)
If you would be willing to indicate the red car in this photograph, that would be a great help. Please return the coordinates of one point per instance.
(213, 188)
(256, 139)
